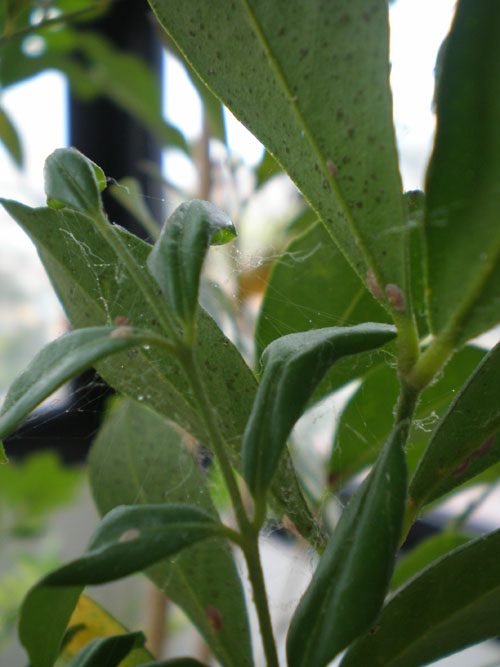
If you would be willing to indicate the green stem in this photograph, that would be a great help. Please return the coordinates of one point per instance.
(256, 576)
(247, 539)
(219, 446)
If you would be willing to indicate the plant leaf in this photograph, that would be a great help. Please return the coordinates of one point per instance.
(90, 621)
(10, 138)
(349, 585)
(138, 457)
(74, 181)
(109, 651)
(367, 419)
(61, 360)
(425, 553)
(95, 289)
(452, 604)
(303, 293)
(128, 193)
(334, 137)
(293, 367)
(176, 662)
(467, 431)
(127, 540)
(177, 257)
(462, 180)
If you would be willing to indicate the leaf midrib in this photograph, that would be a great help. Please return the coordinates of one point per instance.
(281, 79)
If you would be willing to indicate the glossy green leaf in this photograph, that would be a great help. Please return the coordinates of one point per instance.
(323, 69)
(138, 457)
(108, 651)
(465, 432)
(177, 257)
(453, 604)
(349, 585)
(74, 181)
(368, 417)
(312, 286)
(462, 180)
(293, 367)
(425, 553)
(10, 139)
(95, 289)
(61, 360)
(127, 540)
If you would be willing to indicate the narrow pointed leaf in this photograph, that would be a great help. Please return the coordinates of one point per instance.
(108, 651)
(323, 68)
(61, 360)
(293, 367)
(349, 585)
(425, 553)
(464, 436)
(178, 255)
(127, 540)
(367, 419)
(74, 181)
(10, 138)
(303, 293)
(452, 604)
(462, 180)
(138, 457)
(95, 289)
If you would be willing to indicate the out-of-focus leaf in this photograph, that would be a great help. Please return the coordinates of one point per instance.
(90, 621)
(129, 82)
(451, 605)
(74, 181)
(177, 257)
(138, 458)
(61, 360)
(127, 540)
(176, 662)
(95, 289)
(350, 583)
(466, 432)
(10, 138)
(312, 286)
(31, 489)
(108, 651)
(267, 168)
(424, 554)
(293, 367)
(323, 69)
(462, 180)
(368, 417)
(129, 193)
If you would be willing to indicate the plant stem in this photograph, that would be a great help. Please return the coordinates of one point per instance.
(248, 537)
(252, 557)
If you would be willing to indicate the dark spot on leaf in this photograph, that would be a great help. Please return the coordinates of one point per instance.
(215, 618)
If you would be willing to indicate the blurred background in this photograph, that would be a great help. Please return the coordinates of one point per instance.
(107, 81)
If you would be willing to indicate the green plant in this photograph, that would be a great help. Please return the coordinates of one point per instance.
(311, 81)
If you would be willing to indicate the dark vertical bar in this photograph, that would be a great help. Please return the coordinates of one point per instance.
(116, 142)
